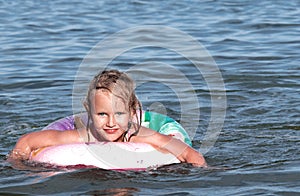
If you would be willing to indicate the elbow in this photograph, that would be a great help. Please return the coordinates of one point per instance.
(21, 150)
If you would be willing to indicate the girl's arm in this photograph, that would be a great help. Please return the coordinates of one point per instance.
(184, 152)
(168, 143)
(32, 141)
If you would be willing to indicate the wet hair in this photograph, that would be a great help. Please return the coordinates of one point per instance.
(122, 86)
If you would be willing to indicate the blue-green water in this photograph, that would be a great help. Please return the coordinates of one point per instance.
(255, 44)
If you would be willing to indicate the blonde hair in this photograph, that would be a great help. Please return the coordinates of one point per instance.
(120, 85)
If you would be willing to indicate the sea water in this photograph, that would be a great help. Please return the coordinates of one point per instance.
(255, 46)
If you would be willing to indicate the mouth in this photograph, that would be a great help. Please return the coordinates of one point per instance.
(110, 131)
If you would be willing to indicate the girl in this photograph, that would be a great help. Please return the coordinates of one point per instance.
(113, 115)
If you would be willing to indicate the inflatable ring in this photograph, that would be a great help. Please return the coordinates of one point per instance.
(112, 155)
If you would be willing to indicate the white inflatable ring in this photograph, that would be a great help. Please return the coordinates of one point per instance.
(112, 155)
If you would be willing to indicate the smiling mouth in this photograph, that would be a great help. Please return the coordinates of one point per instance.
(111, 131)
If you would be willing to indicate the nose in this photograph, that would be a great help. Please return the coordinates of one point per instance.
(111, 122)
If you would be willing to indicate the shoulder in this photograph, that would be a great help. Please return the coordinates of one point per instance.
(59, 137)
(150, 136)
(147, 132)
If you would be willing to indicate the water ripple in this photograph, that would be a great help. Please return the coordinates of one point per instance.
(255, 44)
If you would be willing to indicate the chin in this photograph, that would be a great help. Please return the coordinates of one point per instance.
(113, 139)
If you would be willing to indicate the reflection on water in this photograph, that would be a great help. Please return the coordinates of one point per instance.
(254, 43)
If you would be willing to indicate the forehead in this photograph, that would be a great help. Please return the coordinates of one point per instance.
(105, 99)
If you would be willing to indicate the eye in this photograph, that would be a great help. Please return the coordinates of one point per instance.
(101, 114)
(120, 113)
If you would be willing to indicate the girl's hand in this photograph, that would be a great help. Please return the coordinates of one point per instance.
(194, 157)
(185, 153)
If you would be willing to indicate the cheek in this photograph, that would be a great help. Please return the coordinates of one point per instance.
(122, 120)
(97, 121)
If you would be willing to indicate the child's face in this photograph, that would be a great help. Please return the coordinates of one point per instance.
(110, 116)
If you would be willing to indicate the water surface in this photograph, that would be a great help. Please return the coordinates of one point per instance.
(255, 44)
